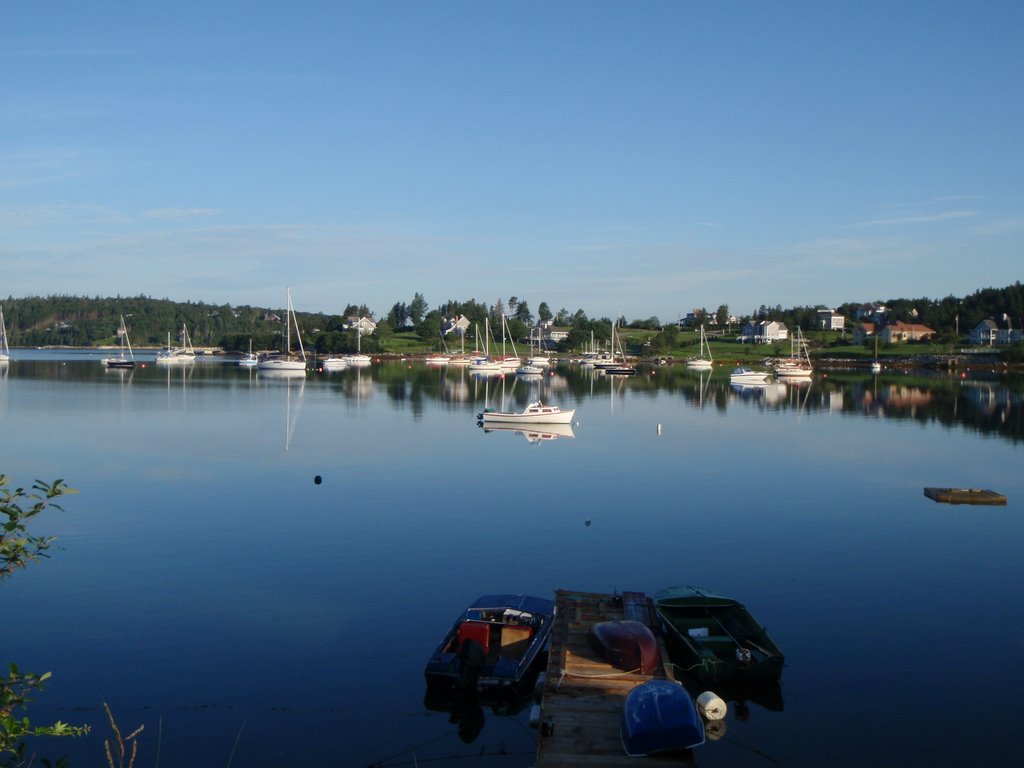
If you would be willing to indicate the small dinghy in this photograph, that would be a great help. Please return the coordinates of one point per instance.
(659, 716)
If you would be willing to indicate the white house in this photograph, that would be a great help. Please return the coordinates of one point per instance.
(549, 334)
(364, 325)
(830, 320)
(764, 332)
(457, 325)
(992, 331)
(896, 332)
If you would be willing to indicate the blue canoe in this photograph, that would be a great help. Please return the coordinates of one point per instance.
(659, 716)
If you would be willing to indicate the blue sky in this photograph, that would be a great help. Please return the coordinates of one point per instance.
(641, 158)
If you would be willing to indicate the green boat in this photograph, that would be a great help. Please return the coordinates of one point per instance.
(715, 638)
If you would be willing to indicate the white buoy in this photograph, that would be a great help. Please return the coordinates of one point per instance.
(710, 706)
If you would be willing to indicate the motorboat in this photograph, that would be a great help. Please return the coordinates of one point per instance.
(743, 375)
(529, 370)
(332, 364)
(491, 644)
(715, 637)
(534, 413)
(660, 717)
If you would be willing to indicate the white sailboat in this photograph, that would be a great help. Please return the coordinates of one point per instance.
(358, 359)
(703, 360)
(123, 360)
(249, 360)
(286, 362)
(537, 358)
(177, 355)
(483, 363)
(5, 351)
(798, 365)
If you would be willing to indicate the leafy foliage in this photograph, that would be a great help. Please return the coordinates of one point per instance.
(18, 548)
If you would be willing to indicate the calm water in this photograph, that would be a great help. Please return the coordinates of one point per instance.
(206, 587)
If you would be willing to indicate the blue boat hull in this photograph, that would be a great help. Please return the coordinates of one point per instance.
(659, 716)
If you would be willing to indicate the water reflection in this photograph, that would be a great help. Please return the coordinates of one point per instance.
(536, 434)
(982, 402)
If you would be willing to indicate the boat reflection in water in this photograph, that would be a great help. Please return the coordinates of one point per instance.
(466, 708)
(534, 433)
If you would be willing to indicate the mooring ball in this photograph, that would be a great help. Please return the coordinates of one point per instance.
(318, 479)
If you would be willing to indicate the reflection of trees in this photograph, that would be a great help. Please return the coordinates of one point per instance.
(989, 405)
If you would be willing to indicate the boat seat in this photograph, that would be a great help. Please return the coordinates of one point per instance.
(515, 640)
(476, 630)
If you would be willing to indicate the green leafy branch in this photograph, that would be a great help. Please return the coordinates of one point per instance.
(18, 547)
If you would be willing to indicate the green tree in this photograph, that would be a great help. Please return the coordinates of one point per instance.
(417, 309)
(18, 548)
(544, 312)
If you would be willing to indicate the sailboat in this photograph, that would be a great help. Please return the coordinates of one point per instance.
(537, 357)
(177, 355)
(508, 363)
(439, 358)
(122, 360)
(618, 366)
(701, 363)
(876, 367)
(286, 361)
(798, 364)
(250, 359)
(5, 351)
(483, 363)
(358, 358)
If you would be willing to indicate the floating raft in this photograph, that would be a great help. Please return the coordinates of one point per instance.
(583, 694)
(965, 496)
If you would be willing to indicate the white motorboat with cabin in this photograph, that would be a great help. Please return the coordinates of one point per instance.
(748, 376)
(534, 413)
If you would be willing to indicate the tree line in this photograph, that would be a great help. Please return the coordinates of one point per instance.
(92, 321)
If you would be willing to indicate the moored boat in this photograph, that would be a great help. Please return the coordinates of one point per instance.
(743, 375)
(494, 642)
(286, 361)
(124, 359)
(659, 717)
(715, 637)
(703, 361)
(534, 413)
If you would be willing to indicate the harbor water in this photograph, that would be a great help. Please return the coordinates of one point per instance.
(257, 569)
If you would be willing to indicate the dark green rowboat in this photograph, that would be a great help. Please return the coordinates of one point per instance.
(714, 637)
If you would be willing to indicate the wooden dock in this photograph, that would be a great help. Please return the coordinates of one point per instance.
(965, 496)
(583, 694)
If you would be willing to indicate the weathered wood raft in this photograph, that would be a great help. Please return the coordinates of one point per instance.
(583, 694)
(965, 496)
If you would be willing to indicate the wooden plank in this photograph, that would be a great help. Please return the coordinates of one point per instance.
(965, 496)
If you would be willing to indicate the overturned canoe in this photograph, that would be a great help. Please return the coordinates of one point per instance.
(627, 645)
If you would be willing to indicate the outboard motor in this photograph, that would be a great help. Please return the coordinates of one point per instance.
(471, 660)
